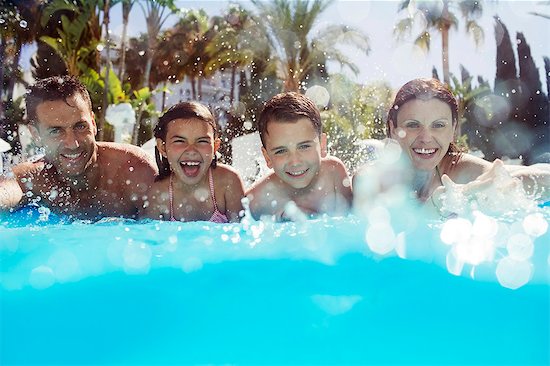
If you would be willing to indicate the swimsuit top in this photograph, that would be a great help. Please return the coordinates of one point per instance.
(216, 217)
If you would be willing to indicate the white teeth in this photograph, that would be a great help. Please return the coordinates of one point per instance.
(424, 151)
(190, 163)
(297, 173)
(71, 156)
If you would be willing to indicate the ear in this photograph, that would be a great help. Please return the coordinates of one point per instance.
(392, 130)
(217, 143)
(161, 146)
(267, 158)
(323, 145)
(35, 135)
(94, 124)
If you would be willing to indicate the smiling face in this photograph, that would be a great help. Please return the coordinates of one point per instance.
(424, 130)
(189, 147)
(294, 151)
(66, 129)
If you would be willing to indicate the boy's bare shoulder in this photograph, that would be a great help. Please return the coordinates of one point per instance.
(267, 182)
(332, 163)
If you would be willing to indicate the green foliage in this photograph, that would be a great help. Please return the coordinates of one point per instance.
(349, 121)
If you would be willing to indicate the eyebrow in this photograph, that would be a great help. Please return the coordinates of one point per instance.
(184, 137)
(299, 143)
(62, 127)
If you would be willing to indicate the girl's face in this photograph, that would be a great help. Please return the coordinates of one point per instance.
(424, 130)
(189, 147)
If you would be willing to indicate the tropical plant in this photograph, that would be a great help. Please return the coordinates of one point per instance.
(156, 13)
(78, 36)
(288, 26)
(439, 16)
(232, 46)
(357, 113)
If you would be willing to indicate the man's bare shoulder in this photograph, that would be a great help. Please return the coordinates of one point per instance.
(27, 169)
(120, 155)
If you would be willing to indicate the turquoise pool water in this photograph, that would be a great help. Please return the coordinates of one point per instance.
(293, 293)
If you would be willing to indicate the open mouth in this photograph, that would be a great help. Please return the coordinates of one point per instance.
(425, 153)
(190, 168)
(297, 173)
(73, 157)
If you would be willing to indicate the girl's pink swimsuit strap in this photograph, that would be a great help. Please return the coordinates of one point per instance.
(217, 216)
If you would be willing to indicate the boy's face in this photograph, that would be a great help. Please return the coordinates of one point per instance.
(294, 151)
(66, 130)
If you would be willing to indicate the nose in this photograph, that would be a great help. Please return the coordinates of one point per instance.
(294, 158)
(70, 141)
(425, 135)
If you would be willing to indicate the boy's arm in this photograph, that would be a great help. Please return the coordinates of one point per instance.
(342, 185)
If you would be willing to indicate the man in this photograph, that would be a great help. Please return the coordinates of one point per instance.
(77, 176)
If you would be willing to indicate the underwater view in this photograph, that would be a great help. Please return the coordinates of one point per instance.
(274, 182)
(329, 290)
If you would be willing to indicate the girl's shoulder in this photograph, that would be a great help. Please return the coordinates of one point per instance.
(225, 172)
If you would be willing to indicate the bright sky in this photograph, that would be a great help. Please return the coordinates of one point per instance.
(398, 62)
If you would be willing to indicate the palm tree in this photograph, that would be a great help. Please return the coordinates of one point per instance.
(438, 16)
(288, 27)
(231, 48)
(19, 27)
(78, 36)
(155, 12)
(126, 9)
(194, 32)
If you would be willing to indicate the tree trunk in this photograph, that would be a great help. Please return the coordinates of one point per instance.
(232, 87)
(199, 87)
(2, 50)
(193, 90)
(445, 42)
(126, 8)
(101, 121)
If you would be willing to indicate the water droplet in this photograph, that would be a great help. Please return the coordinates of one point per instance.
(23, 24)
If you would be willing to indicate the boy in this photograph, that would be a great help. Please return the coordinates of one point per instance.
(77, 176)
(303, 177)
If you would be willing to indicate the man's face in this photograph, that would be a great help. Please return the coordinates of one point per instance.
(294, 151)
(66, 130)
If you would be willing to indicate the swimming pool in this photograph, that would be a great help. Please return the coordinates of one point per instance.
(315, 292)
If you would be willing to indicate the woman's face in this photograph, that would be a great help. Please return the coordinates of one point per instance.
(424, 131)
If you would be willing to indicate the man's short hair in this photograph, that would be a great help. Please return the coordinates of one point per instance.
(288, 107)
(52, 89)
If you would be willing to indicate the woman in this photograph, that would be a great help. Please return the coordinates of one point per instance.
(423, 120)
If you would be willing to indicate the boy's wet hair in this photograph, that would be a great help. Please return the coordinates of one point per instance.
(424, 89)
(183, 110)
(51, 89)
(289, 107)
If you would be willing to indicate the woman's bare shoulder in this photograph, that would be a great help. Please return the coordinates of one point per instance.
(468, 168)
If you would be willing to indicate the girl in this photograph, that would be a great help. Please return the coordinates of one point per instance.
(191, 185)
